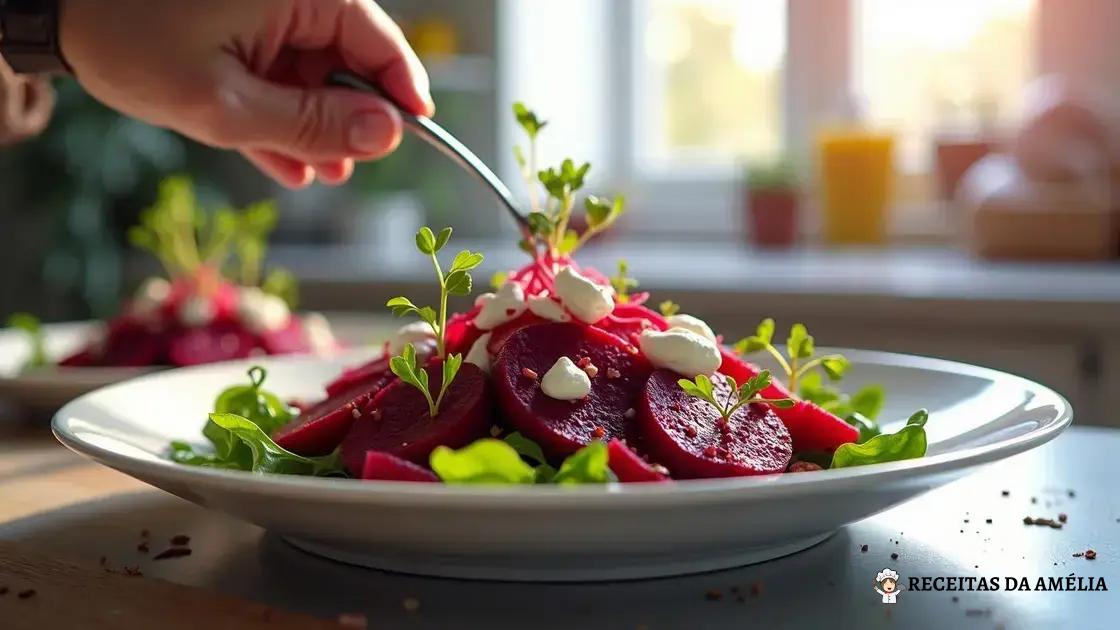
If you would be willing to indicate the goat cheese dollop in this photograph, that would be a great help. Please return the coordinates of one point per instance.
(150, 296)
(196, 311)
(479, 354)
(318, 332)
(419, 334)
(498, 308)
(682, 351)
(545, 307)
(262, 312)
(565, 381)
(695, 324)
(585, 300)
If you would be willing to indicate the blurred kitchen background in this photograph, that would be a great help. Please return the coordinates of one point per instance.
(928, 177)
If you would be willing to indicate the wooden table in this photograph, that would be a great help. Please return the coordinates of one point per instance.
(55, 504)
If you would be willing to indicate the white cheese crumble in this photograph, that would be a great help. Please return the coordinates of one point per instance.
(547, 308)
(682, 351)
(695, 324)
(196, 311)
(587, 301)
(318, 333)
(565, 381)
(262, 312)
(498, 308)
(150, 296)
(479, 354)
(419, 334)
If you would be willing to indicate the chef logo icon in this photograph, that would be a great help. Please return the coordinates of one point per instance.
(886, 584)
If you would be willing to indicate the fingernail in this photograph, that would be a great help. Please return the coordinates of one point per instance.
(370, 132)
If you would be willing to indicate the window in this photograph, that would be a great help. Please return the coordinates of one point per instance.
(680, 94)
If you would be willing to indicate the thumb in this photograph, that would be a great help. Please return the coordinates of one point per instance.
(313, 124)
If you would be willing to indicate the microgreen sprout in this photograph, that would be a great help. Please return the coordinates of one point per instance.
(622, 283)
(669, 308)
(703, 388)
(30, 325)
(799, 347)
(457, 281)
(408, 370)
(549, 217)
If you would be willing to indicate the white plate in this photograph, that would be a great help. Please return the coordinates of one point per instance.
(49, 389)
(563, 533)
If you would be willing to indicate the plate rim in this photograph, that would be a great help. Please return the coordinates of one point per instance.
(320, 489)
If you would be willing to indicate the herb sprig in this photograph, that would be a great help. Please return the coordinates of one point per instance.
(669, 308)
(549, 218)
(622, 283)
(703, 388)
(29, 324)
(800, 347)
(456, 281)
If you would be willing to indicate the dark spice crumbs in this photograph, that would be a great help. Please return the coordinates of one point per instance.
(988, 521)
(894, 556)
(180, 540)
(1090, 554)
(29, 593)
(3, 590)
(173, 552)
(1063, 517)
(713, 595)
(1006, 493)
(142, 547)
(863, 548)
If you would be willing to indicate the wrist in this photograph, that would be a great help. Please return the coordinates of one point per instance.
(29, 36)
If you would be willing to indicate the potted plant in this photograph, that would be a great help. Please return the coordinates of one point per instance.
(772, 200)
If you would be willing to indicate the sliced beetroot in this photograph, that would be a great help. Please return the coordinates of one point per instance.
(563, 426)
(814, 430)
(321, 428)
(219, 341)
(291, 339)
(132, 343)
(692, 441)
(398, 422)
(501, 334)
(85, 357)
(811, 427)
(461, 332)
(369, 372)
(386, 467)
(628, 467)
(627, 321)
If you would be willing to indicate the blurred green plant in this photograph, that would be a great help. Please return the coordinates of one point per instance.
(777, 174)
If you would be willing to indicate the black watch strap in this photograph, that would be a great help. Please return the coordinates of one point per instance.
(29, 36)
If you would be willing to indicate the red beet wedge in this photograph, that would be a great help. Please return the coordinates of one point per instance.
(810, 427)
(219, 341)
(386, 467)
(366, 373)
(563, 426)
(320, 429)
(398, 422)
(629, 467)
(688, 436)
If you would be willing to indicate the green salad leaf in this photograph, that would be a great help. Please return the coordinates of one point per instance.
(485, 461)
(30, 325)
(260, 407)
(253, 450)
(587, 465)
(907, 443)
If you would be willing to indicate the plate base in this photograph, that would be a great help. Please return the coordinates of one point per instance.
(555, 568)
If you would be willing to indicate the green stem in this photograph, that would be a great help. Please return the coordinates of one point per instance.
(440, 346)
(794, 373)
(780, 359)
(530, 178)
(814, 363)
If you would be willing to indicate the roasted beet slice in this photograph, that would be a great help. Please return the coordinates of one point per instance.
(501, 334)
(369, 372)
(82, 358)
(220, 341)
(132, 343)
(290, 339)
(398, 422)
(320, 429)
(386, 467)
(461, 332)
(627, 321)
(563, 426)
(812, 428)
(687, 435)
(628, 467)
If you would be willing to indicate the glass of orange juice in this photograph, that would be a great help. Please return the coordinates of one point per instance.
(856, 171)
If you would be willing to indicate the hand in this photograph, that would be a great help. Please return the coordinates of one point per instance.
(248, 75)
(25, 105)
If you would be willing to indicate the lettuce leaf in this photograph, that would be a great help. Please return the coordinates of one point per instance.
(485, 461)
(587, 465)
(253, 450)
(908, 443)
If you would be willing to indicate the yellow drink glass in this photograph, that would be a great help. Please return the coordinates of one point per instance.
(856, 172)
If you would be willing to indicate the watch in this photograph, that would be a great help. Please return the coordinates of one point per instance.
(29, 36)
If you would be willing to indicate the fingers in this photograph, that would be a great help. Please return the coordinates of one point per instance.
(39, 101)
(314, 125)
(334, 173)
(373, 45)
(286, 171)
